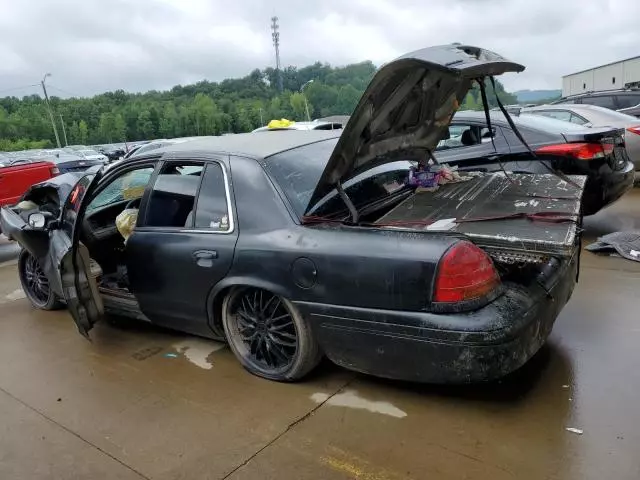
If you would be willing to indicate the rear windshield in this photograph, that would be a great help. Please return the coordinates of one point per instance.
(622, 117)
(546, 124)
(297, 171)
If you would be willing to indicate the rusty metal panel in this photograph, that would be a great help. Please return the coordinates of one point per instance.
(502, 199)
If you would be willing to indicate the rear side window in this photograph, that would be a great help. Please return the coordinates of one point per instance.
(173, 196)
(605, 101)
(563, 115)
(212, 209)
(628, 101)
(537, 121)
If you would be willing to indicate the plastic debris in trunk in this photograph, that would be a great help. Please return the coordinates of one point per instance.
(520, 216)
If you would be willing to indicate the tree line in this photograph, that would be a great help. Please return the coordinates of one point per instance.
(204, 108)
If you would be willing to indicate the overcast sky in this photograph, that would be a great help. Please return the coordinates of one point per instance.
(91, 46)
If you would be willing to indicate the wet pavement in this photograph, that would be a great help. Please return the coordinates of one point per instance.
(143, 403)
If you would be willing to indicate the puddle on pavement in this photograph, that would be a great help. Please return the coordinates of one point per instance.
(198, 350)
(351, 399)
(13, 296)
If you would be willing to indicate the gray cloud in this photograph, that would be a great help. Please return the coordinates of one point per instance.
(92, 46)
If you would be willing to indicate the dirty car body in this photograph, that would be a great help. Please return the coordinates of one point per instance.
(274, 243)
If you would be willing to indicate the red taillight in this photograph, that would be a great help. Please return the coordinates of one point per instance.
(580, 151)
(465, 273)
(635, 130)
(54, 171)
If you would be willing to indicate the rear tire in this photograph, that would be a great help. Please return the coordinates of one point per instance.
(268, 335)
(35, 283)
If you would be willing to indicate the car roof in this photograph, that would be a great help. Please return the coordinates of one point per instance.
(253, 145)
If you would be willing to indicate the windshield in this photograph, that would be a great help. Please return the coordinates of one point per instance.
(89, 152)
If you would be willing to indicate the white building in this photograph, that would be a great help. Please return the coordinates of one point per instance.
(624, 73)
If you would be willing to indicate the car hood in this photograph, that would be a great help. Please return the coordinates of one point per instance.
(407, 108)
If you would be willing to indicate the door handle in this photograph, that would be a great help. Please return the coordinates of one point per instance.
(205, 258)
(205, 255)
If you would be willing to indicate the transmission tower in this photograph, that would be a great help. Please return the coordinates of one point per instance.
(276, 43)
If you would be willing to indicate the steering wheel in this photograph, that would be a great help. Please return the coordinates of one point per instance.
(135, 203)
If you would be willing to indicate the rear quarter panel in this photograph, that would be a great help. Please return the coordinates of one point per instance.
(332, 265)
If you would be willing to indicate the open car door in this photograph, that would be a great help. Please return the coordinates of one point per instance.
(78, 284)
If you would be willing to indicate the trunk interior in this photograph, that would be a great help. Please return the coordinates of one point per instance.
(522, 221)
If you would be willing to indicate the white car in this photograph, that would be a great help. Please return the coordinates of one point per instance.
(92, 155)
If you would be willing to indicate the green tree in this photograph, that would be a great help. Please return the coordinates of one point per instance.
(203, 108)
(119, 128)
(145, 125)
(107, 127)
(297, 101)
(83, 132)
(169, 125)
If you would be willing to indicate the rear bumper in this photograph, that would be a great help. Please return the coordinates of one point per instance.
(602, 191)
(459, 348)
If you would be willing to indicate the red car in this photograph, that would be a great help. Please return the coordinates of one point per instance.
(17, 176)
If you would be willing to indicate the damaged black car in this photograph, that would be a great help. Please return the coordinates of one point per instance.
(306, 244)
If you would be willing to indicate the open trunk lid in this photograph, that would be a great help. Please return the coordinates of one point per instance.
(406, 109)
(516, 218)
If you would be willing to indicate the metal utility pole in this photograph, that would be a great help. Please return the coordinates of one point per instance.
(64, 131)
(275, 35)
(306, 104)
(261, 121)
(46, 99)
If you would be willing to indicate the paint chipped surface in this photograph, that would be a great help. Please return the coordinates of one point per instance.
(351, 399)
(198, 350)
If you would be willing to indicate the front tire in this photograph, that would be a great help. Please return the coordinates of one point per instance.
(268, 335)
(35, 283)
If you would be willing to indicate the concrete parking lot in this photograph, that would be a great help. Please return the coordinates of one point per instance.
(143, 403)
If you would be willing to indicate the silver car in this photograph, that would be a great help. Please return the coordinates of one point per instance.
(593, 116)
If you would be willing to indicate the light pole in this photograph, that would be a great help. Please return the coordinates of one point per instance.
(306, 104)
(64, 131)
(46, 99)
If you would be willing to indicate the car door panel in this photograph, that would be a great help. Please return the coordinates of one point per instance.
(172, 270)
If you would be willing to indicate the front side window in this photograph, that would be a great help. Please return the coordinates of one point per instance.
(212, 210)
(126, 187)
(173, 195)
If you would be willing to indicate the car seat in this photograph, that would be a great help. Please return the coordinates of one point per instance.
(469, 138)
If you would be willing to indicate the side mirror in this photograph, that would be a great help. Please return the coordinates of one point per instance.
(38, 220)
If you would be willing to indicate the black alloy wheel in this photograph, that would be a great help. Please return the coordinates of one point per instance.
(268, 335)
(35, 283)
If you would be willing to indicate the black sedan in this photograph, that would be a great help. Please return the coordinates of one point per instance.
(280, 244)
(598, 153)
